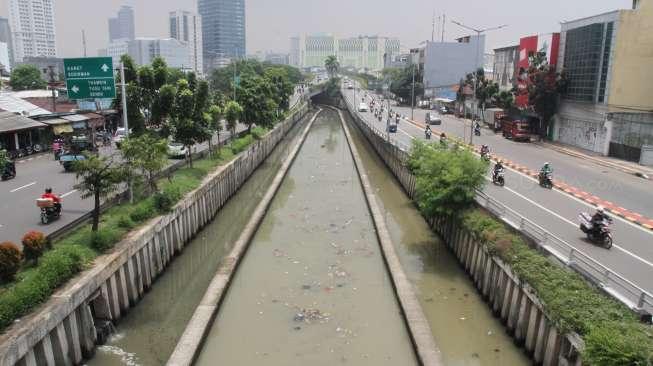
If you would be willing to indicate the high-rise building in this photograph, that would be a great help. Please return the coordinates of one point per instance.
(363, 52)
(122, 26)
(5, 37)
(33, 29)
(223, 29)
(144, 50)
(186, 27)
(505, 67)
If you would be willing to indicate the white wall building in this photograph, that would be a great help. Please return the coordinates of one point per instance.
(363, 52)
(116, 49)
(186, 27)
(33, 28)
(174, 52)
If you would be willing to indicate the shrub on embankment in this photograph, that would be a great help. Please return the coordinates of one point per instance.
(611, 332)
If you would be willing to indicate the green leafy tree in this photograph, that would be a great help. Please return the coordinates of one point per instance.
(222, 79)
(149, 92)
(505, 99)
(131, 70)
(147, 154)
(164, 104)
(192, 81)
(545, 86)
(332, 65)
(283, 88)
(201, 99)
(214, 123)
(174, 75)
(446, 179)
(98, 177)
(184, 127)
(232, 113)
(160, 69)
(256, 96)
(401, 83)
(26, 77)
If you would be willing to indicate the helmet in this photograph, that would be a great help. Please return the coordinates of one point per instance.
(499, 162)
(48, 190)
(546, 164)
(600, 209)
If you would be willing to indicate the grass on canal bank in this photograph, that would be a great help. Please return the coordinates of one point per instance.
(446, 179)
(34, 284)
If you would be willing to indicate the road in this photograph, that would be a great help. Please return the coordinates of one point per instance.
(19, 213)
(554, 210)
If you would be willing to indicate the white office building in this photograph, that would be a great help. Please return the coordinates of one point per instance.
(116, 49)
(174, 52)
(186, 27)
(4, 57)
(33, 28)
(364, 52)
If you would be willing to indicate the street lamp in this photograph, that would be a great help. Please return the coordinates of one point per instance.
(478, 46)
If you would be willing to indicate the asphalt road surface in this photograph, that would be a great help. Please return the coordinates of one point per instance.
(554, 210)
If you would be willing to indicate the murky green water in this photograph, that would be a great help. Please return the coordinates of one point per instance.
(462, 323)
(147, 335)
(312, 288)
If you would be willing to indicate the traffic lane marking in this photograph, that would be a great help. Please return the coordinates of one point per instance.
(68, 193)
(21, 187)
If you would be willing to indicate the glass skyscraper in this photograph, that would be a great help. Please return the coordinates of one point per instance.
(223, 30)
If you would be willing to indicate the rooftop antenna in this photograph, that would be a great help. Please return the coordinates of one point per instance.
(433, 29)
(84, 42)
(444, 19)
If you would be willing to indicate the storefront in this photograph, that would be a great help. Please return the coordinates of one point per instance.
(18, 132)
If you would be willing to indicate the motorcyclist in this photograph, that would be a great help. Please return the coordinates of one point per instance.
(546, 169)
(485, 150)
(427, 132)
(599, 217)
(498, 167)
(49, 195)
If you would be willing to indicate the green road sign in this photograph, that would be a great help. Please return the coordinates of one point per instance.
(89, 78)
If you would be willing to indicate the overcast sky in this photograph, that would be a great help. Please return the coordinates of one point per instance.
(270, 23)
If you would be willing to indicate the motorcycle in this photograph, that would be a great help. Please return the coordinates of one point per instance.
(498, 177)
(50, 211)
(397, 118)
(601, 235)
(427, 134)
(8, 171)
(485, 155)
(477, 130)
(546, 180)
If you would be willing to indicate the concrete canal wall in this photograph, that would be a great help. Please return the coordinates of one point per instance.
(510, 299)
(65, 329)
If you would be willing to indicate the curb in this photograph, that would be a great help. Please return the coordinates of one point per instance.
(625, 214)
(420, 332)
(189, 345)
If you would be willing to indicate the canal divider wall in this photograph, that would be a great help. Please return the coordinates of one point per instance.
(65, 330)
(418, 327)
(189, 345)
(511, 299)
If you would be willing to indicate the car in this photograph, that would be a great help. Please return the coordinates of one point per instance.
(392, 128)
(177, 150)
(120, 135)
(363, 107)
(433, 118)
(350, 86)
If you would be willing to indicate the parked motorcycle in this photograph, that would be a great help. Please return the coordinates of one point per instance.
(8, 171)
(546, 180)
(600, 235)
(50, 211)
(498, 178)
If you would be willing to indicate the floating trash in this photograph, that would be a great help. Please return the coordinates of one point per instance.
(309, 316)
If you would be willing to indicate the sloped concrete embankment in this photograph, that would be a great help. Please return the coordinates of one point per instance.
(65, 329)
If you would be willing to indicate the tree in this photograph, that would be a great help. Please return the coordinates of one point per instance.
(401, 83)
(505, 100)
(164, 104)
(544, 88)
(184, 127)
(256, 96)
(283, 88)
(147, 154)
(486, 90)
(26, 77)
(332, 65)
(232, 113)
(214, 123)
(201, 99)
(160, 69)
(149, 91)
(97, 176)
(131, 71)
(446, 179)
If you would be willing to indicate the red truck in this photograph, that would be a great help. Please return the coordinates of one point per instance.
(515, 129)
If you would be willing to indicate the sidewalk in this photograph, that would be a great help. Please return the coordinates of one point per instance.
(614, 163)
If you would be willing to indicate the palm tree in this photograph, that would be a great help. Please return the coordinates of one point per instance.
(332, 65)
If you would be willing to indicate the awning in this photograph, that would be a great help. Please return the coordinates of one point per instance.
(94, 120)
(78, 120)
(63, 128)
(56, 121)
(10, 122)
(444, 100)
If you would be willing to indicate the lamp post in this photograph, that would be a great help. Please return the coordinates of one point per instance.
(478, 46)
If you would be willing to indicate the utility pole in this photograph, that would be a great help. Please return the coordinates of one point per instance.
(124, 98)
(235, 66)
(84, 42)
(412, 93)
(52, 83)
(475, 86)
(444, 19)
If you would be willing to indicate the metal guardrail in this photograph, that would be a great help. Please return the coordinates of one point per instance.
(605, 278)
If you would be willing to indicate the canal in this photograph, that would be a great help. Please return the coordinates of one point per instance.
(462, 324)
(313, 288)
(147, 335)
